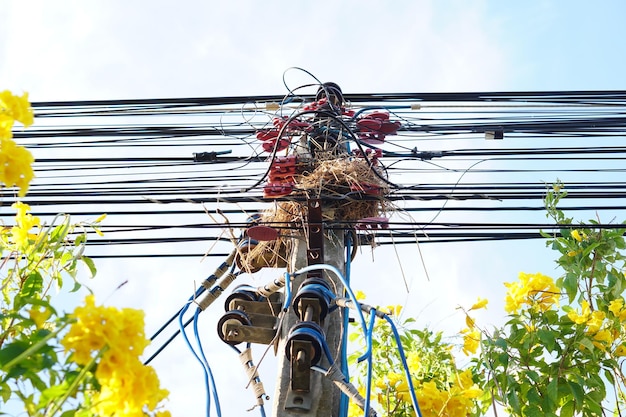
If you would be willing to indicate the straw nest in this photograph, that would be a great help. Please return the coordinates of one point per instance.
(341, 184)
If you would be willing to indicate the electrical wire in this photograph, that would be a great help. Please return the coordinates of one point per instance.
(205, 369)
(368, 355)
(405, 366)
(344, 401)
(204, 360)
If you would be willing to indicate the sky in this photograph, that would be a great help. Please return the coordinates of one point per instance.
(77, 50)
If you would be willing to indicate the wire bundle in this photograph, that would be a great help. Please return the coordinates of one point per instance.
(138, 161)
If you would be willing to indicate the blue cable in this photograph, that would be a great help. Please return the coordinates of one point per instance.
(405, 365)
(345, 284)
(262, 408)
(206, 363)
(206, 374)
(368, 384)
(287, 302)
(344, 400)
(348, 290)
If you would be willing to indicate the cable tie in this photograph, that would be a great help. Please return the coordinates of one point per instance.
(209, 281)
(339, 379)
(216, 291)
(270, 288)
(272, 106)
(245, 357)
(416, 106)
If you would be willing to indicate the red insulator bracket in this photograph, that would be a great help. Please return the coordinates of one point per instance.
(265, 135)
(277, 190)
(284, 164)
(269, 145)
(295, 124)
(372, 138)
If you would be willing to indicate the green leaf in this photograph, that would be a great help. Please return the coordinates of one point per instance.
(501, 343)
(513, 399)
(59, 233)
(53, 392)
(548, 338)
(533, 411)
(77, 286)
(570, 284)
(32, 286)
(80, 239)
(587, 343)
(568, 409)
(12, 351)
(577, 390)
(90, 265)
(553, 391)
(5, 392)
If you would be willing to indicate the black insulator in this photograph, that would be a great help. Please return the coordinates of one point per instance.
(233, 316)
(241, 292)
(317, 289)
(307, 331)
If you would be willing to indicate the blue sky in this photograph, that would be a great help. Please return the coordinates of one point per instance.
(73, 50)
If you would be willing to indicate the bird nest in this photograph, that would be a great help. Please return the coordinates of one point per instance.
(350, 189)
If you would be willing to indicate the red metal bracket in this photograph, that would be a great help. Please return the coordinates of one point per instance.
(315, 250)
(277, 190)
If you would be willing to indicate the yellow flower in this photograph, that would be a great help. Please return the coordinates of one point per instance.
(572, 253)
(481, 303)
(431, 399)
(465, 379)
(127, 386)
(13, 108)
(576, 235)
(471, 340)
(602, 339)
(535, 290)
(595, 321)
(39, 315)
(394, 310)
(615, 306)
(354, 410)
(620, 350)
(360, 295)
(413, 361)
(15, 165)
(20, 233)
(580, 318)
(15, 161)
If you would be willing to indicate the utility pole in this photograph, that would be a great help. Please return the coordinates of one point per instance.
(322, 399)
(333, 188)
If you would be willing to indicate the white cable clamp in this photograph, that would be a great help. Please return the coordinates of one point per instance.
(339, 379)
(253, 375)
(269, 289)
(212, 294)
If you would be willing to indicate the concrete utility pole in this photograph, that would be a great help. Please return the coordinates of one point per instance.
(337, 187)
(301, 391)
(322, 400)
